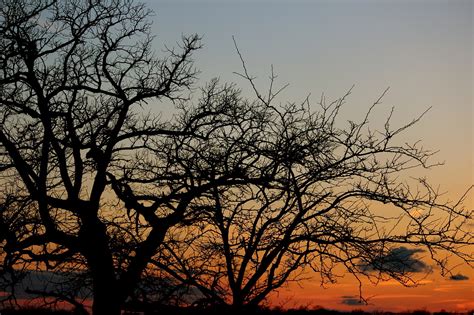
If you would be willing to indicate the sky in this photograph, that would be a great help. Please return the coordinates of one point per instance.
(422, 50)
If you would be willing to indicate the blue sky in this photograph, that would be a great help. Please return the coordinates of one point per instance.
(422, 50)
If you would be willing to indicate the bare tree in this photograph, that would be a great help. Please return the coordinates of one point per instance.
(285, 190)
(233, 197)
(74, 78)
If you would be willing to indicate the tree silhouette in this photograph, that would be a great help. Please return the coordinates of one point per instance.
(232, 198)
(291, 191)
(75, 76)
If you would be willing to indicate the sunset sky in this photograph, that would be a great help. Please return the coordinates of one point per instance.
(422, 50)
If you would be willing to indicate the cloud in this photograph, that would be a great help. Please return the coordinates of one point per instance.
(38, 280)
(458, 277)
(401, 296)
(397, 260)
(351, 300)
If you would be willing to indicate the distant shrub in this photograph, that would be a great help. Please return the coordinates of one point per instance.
(33, 311)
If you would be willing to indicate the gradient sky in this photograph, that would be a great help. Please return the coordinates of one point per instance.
(422, 50)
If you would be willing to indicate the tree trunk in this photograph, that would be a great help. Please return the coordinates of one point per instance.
(241, 306)
(237, 305)
(106, 292)
(107, 298)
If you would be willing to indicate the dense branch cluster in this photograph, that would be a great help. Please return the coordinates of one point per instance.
(288, 190)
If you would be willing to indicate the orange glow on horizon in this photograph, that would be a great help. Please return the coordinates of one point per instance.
(433, 294)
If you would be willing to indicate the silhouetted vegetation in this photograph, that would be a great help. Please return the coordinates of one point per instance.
(34, 311)
(219, 311)
(74, 77)
(216, 207)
